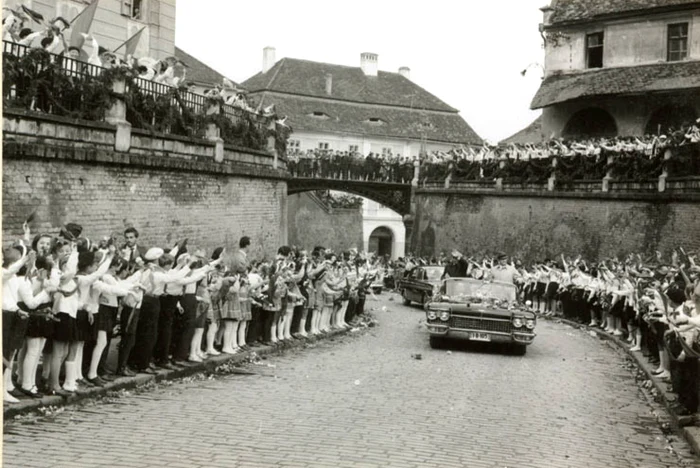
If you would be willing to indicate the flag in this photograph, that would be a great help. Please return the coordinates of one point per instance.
(131, 43)
(81, 25)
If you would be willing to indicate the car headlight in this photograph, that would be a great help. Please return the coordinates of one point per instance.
(517, 322)
(530, 324)
(444, 316)
(432, 315)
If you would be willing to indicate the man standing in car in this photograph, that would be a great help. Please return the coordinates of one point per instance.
(457, 268)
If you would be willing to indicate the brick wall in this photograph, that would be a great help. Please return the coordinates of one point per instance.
(164, 206)
(168, 188)
(535, 227)
(310, 224)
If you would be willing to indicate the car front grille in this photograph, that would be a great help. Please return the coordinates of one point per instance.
(473, 323)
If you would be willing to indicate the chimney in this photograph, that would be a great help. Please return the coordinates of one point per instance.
(405, 72)
(547, 15)
(368, 63)
(329, 84)
(268, 58)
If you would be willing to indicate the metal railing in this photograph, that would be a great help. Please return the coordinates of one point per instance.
(36, 80)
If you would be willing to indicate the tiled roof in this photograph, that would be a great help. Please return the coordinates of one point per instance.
(308, 78)
(354, 118)
(530, 134)
(571, 11)
(199, 72)
(666, 76)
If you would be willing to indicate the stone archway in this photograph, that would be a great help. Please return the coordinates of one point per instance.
(590, 122)
(381, 241)
(671, 116)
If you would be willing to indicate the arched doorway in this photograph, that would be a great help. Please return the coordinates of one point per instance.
(592, 122)
(666, 117)
(381, 241)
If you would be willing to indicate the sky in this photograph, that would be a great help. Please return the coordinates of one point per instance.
(469, 53)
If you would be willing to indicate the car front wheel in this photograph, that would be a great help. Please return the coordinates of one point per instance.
(519, 350)
(406, 302)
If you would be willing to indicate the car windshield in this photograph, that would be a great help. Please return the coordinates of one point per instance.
(470, 288)
(433, 273)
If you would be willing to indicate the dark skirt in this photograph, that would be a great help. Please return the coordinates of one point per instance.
(83, 328)
(631, 316)
(65, 330)
(551, 291)
(40, 324)
(618, 310)
(14, 330)
(104, 319)
(540, 289)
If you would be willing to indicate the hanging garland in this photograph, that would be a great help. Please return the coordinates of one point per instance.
(38, 81)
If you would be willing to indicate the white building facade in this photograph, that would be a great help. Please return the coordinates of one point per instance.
(362, 109)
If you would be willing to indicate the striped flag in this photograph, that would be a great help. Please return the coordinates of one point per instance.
(131, 43)
(81, 25)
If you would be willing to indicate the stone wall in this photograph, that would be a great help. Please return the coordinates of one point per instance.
(536, 226)
(167, 187)
(311, 223)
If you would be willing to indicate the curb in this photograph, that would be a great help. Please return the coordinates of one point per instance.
(681, 424)
(125, 383)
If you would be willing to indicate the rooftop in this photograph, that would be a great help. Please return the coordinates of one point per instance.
(199, 72)
(659, 77)
(576, 11)
(307, 78)
(323, 115)
(530, 134)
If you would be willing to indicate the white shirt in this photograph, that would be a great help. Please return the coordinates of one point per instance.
(160, 278)
(109, 289)
(18, 289)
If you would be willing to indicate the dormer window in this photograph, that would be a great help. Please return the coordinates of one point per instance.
(319, 115)
(375, 121)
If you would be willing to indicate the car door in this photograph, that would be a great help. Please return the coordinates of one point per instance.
(418, 274)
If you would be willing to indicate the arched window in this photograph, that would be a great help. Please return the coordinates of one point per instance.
(591, 122)
(667, 117)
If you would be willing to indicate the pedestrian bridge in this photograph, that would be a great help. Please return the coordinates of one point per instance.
(393, 195)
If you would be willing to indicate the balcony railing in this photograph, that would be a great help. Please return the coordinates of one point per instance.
(36, 80)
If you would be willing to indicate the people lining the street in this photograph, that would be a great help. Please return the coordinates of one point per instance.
(64, 295)
(648, 302)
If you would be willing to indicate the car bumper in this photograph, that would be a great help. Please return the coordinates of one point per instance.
(524, 338)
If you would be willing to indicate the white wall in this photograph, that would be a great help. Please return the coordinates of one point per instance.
(366, 145)
(626, 42)
(111, 28)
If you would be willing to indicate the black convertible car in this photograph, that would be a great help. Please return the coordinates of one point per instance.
(420, 283)
(476, 310)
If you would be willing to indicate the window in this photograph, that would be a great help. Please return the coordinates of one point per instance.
(374, 121)
(594, 50)
(677, 42)
(294, 144)
(319, 115)
(133, 8)
(323, 145)
(386, 151)
(354, 148)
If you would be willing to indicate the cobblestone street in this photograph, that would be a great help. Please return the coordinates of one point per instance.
(364, 401)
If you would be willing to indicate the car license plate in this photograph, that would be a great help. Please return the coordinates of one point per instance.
(479, 337)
